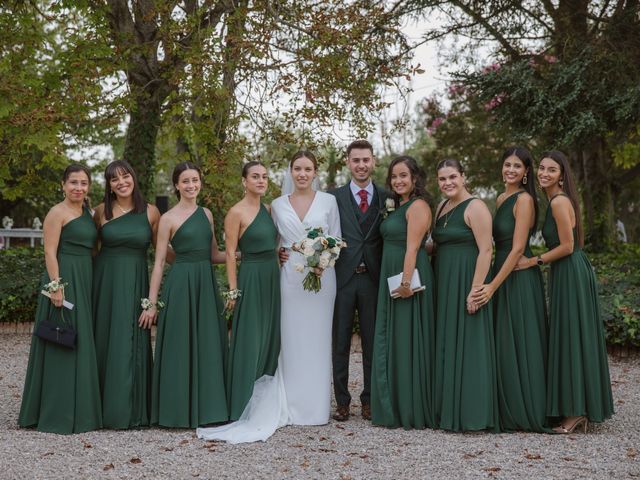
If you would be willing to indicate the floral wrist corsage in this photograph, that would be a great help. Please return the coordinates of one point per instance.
(233, 294)
(147, 304)
(54, 285)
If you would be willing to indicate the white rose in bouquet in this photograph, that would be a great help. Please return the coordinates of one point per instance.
(320, 251)
(307, 249)
(324, 260)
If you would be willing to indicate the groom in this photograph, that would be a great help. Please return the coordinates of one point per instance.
(361, 204)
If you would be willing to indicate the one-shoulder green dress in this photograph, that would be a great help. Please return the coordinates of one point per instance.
(578, 379)
(120, 280)
(465, 372)
(188, 388)
(521, 333)
(61, 389)
(255, 331)
(404, 340)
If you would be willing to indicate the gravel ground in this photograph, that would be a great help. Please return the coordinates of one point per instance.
(350, 450)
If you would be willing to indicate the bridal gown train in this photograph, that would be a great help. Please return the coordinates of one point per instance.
(299, 393)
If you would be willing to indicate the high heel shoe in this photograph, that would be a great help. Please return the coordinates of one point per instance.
(569, 428)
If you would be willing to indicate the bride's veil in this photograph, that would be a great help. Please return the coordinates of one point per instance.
(288, 185)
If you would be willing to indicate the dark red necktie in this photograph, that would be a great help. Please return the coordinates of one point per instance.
(364, 205)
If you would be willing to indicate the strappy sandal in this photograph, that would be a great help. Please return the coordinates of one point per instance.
(577, 422)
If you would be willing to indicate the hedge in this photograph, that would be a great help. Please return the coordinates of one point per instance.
(618, 276)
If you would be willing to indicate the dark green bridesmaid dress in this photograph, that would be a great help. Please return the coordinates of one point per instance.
(188, 387)
(521, 333)
(578, 379)
(403, 343)
(465, 371)
(61, 389)
(255, 333)
(120, 280)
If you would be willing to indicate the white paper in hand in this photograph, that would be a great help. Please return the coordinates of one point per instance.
(65, 304)
(394, 282)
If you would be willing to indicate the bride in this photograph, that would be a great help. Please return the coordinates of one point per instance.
(299, 393)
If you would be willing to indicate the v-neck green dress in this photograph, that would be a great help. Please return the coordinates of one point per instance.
(465, 371)
(255, 331)
(61, 389)
(188, 388)
(404, 340)
(578, 379)
(120, 281)
(521, 333)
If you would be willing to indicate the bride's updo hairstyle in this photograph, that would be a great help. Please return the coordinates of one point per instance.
(177, 171)
(304, 154)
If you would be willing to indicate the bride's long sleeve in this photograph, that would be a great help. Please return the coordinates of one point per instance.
(334, 218)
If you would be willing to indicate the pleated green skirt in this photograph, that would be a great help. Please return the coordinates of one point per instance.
(255, 334)
(61, 390)
(403, 349)
(578, 381)
(465, 373)
(123, 348)
(188, 388)
(521, 349)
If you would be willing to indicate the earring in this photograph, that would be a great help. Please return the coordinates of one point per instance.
(560, 182)
(504, 179)
(524, 180)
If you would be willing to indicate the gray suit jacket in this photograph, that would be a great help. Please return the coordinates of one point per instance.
(359, 244)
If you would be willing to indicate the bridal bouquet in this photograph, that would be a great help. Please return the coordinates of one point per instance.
(320, 252)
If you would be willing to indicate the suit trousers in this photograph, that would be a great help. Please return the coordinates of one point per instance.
(358, 294)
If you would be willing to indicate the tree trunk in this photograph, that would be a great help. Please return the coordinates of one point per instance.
(593, 169)
(139, 149)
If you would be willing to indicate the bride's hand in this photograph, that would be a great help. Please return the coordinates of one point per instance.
(318, 271)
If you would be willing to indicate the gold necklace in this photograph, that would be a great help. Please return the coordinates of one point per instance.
(448, 214)
(124, 212)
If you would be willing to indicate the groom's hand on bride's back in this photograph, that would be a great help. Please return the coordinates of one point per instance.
(283, 255)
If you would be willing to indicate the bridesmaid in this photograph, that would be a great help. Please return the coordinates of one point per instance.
(255, 331)
(61, 389)
(403, 351)
(578, 384)
(519, 303)
(127, 225)
(465, 372)
(188, 386)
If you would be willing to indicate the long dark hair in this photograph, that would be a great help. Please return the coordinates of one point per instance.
(530, 187)
(182, 167)
(568, 187)
(113, 169)
(417, 174)
(77, 167)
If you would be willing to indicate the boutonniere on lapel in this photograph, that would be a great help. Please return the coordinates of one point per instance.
(389, 206)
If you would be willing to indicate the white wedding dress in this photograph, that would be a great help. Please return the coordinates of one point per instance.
(299, 392)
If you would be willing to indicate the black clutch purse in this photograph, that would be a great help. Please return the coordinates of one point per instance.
(62, 334)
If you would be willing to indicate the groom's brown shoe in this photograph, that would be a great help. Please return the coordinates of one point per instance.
(366, 412)
(342, 413)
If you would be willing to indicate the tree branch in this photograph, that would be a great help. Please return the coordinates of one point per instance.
(493, 31)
